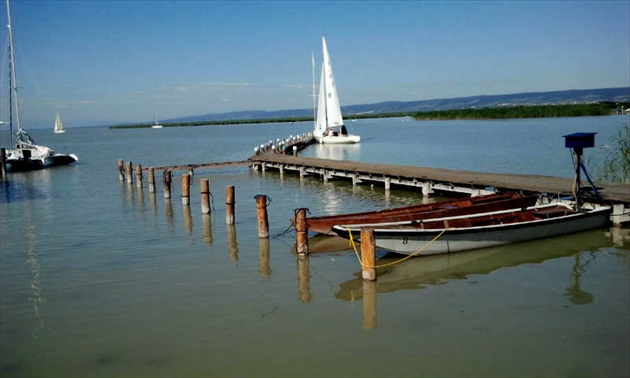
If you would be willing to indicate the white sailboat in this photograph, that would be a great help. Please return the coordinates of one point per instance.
(329, 127)
(26, 155)
(156, 124)
(59, 125)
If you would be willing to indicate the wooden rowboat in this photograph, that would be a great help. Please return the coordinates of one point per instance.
(462, 206)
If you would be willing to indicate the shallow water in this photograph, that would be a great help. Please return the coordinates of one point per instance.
(100, 278)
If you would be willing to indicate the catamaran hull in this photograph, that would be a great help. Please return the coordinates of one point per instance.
(28, 164)
(418, 242)
(342, 139)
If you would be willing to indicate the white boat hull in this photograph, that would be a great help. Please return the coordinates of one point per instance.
(421, 242)
(340, 139)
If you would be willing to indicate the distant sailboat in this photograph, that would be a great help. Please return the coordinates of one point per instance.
(329, 127)
(156, 124)
(59, 125)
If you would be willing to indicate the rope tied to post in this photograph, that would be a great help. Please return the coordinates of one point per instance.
(415, 253)
(268, 199)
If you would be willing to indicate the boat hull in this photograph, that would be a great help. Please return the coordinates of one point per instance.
(31, 164)
(410, 241)
(339, 139)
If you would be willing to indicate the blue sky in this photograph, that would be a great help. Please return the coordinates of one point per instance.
(106, 62)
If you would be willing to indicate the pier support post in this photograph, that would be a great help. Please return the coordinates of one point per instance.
(301, 231)
(261, 213)
(167, 183)
(368, 254)
(121, 170)
(139, 175)
(128, 173)
(229, 204)
(185, 189)
(426, 189)
(151, 180)
(3, 163)
(205, 195)
(388, 183)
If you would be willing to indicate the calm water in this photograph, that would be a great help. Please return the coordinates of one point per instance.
(102, 279)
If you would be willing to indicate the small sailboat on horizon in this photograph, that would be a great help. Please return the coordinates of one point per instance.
(156, 124)
(59, 125)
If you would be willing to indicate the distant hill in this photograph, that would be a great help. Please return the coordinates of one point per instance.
(491, 101)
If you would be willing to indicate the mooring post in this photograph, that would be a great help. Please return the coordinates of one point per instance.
(229, 204)
(121, 170)
(301, 231)
(139, 175)
(128, 173)
(3, 163)
(261, 213)
(185, 189)
(166, 179)
(151, 180)
(368, 254)
(205, 195)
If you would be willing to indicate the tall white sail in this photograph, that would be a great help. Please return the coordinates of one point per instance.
(333, 109)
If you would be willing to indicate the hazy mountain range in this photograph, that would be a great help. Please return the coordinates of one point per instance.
(489, 101)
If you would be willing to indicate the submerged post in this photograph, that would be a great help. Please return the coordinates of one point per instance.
(301, 231)
(121, 170)
(185, 189)
(205, 195)
(139, 176)
(229, 204)
(166, 179)
(3, 163)
(151, 180)
(368, 254)
(261, 213)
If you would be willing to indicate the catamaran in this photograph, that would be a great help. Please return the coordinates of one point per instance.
(329, 127)
(27, 155)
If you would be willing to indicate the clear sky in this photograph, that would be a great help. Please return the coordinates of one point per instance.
(106, 62)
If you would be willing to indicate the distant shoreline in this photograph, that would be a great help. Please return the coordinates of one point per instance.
(511, 112)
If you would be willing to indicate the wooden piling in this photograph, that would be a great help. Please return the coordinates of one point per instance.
(139, 176)
(205, 195)
(261, 213)
(301, 231)
(121, 170)
(151, 180)
(185, 189)
(166, 178)
(3, 163)
(229, 204)
(128, 173)
(368, 254)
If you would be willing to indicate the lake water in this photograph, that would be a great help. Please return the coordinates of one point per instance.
(102, 279)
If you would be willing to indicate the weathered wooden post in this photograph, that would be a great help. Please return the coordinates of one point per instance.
(185, 189)
(151, 180)
(128, 173)
(205, 195)
(139, 175)
(261, 213)
(3, 163)
(301, 231)
(121, 170)
(229, 204)
(166, 178)
(368, 254)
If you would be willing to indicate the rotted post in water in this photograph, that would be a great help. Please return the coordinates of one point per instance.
(301, 231)
(151, 180)
(368, 254)
(205, 195)
(128, 173)
(261, 213)
(121, 169)
(229, 204)
(139, 176)
(185, 189)
(167, 183)
(3, 163)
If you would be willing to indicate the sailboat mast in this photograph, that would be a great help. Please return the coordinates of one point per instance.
(13, 91)
(314, 101)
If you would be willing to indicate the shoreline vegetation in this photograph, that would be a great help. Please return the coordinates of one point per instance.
(506, 112)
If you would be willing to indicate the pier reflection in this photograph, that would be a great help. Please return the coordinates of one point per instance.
(232, 242)
(207, 228)
(168, 210)
(304, 278)
(263, 251)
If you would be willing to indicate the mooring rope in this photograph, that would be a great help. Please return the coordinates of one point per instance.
(354, 247)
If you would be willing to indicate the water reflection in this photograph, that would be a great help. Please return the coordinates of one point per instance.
(417, 273)
(232, 243)
(188, 222)
(575, 294)
(263, 251)
(207, 228)
(347, 152)
(168, 209)
(304, 278)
